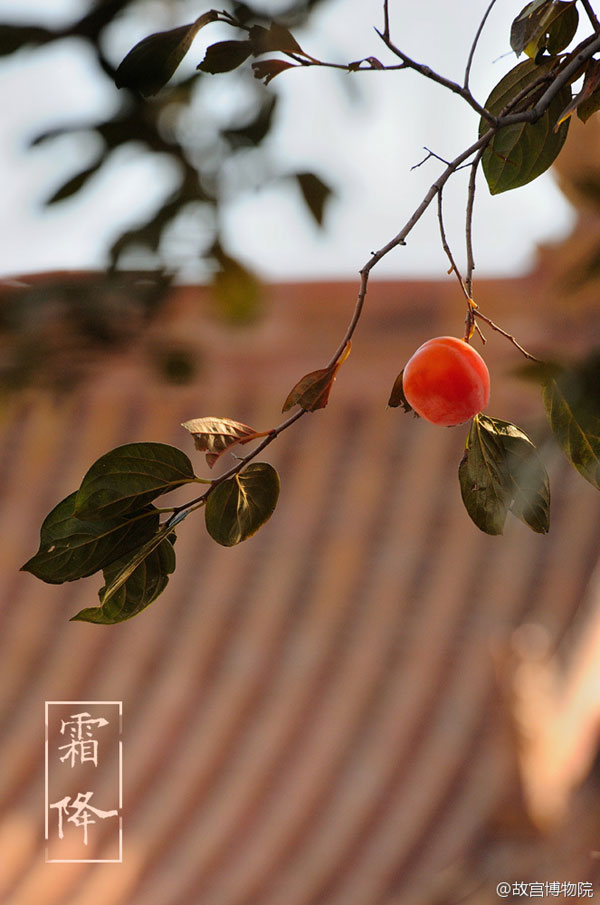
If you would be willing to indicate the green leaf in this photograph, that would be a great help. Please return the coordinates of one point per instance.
(316, 194)
(150, 64)
(572, 403)
(500, 473)
(142, 586)
(225, 56)
(238, 507)
(72, 547)
(397, 396)
(544, 25)
(519, 153)
(131, 476)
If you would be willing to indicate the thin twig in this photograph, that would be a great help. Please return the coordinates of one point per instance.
(474, 45)
(591, 15)
(400, 239)
(386, 19)
(429, 73)
(453, 268)
(240, 464)
(469, 222)
(498, 329)
(430, 154)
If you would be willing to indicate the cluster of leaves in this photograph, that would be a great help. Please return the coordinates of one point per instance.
(202, 183)
(111, 524)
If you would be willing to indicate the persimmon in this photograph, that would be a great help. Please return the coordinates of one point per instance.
(446, 381)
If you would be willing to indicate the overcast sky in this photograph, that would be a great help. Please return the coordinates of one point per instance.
(362, 133)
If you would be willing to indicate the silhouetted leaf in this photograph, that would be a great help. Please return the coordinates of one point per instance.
(572, 403)
(544, 25)
(13, 37)
(397, 396)
(143, 585)
(312, 391)
(214, 436)
(72, 547)
(150, 64)
(316, 194)
(75, 183)
(519, 153)
(274, 38)
(238, 507)
(500, 473)
(253, 132)
(266, 70)
(225, 56)
(131, 476)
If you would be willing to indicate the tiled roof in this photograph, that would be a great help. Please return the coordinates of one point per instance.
(329, 713)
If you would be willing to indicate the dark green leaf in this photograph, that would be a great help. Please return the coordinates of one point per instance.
(72, 547)
(315, 193)
(572, 403)
(150, 64)
(397, 396)
(519, 153)
(560, 28)
(526, 24)
(500, 473)
(131, 476)
(73, 185)
(143, 585)
(544, 25)
(238, 507)
(225, 56)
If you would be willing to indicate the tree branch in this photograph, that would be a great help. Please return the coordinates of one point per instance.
(474, 44)
(563, 78)
(433, 76)
(591, 15)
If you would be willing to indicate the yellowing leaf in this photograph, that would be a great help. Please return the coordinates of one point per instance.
(312, 391)
(214, 436)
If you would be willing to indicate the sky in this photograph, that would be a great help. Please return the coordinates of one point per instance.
(362, 133)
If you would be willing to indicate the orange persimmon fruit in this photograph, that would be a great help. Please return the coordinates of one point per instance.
(446, 381)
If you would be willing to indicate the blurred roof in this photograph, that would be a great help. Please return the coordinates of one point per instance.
(352, 707)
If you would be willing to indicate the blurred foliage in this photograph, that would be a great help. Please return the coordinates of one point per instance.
(175, 123)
